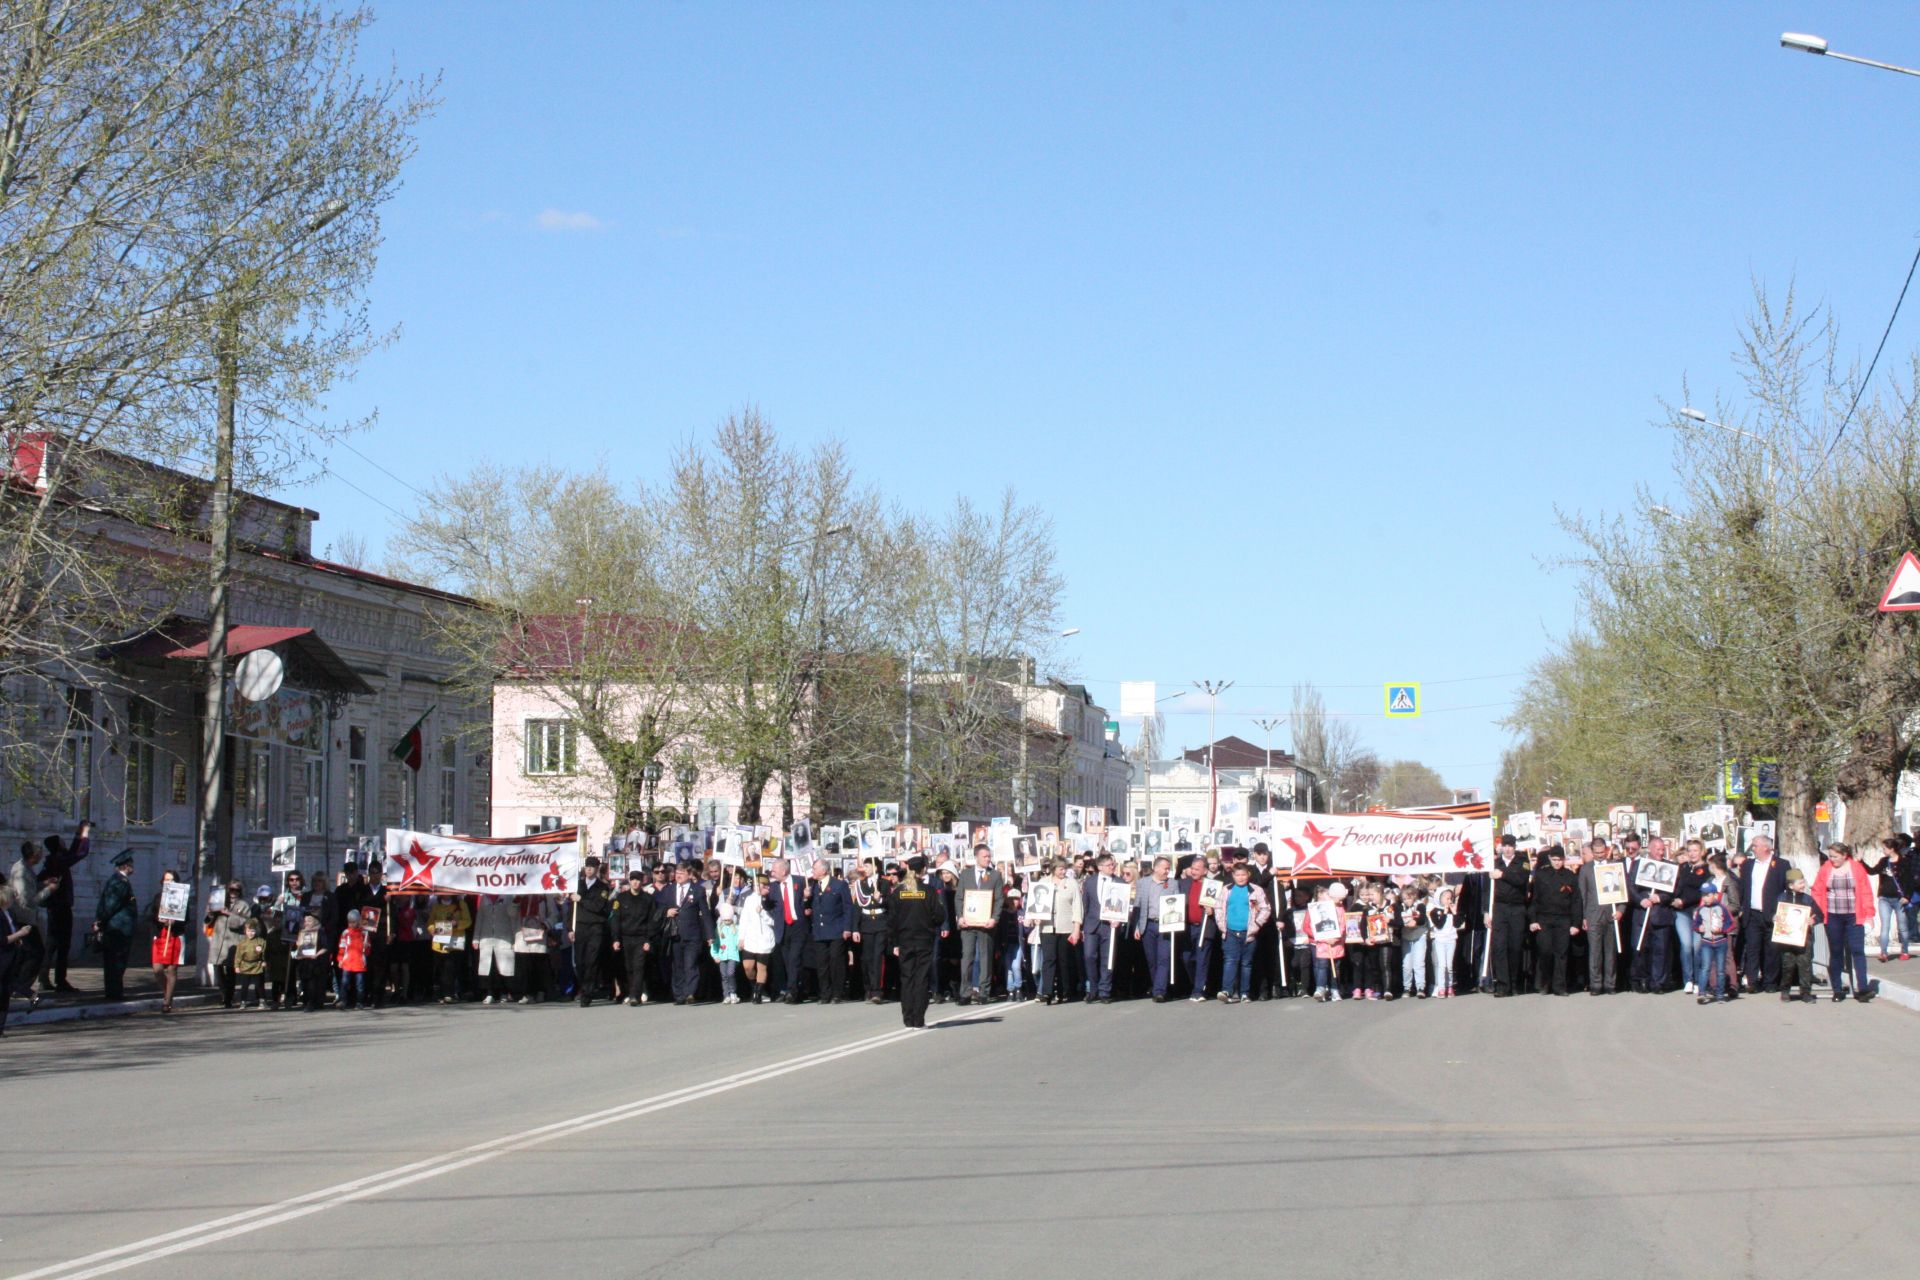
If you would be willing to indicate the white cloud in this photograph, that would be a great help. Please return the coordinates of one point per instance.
(561, 220)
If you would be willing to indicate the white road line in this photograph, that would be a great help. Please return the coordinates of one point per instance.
(250, 1220)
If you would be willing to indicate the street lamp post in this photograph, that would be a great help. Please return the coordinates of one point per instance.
(1766, 446)
(1213, 689)
(686, 773)
(906, 758)
(1267, 725)
(1815, 45)
(213, 746)
(650, 774)
(1022, 800)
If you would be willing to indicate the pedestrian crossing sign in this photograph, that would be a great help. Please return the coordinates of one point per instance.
(1403, 701)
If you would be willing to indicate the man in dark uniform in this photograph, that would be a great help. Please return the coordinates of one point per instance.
(592, 910)
(114, 921)
(1553, 917)
(870, 932)
(1507, 921)
(635, 921)
(918, 920)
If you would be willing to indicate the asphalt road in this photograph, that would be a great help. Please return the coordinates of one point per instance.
(1529, 1137)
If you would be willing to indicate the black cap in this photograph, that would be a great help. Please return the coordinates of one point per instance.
(916, 864)
(123, 857)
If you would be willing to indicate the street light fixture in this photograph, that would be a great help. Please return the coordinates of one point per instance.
(650, 774)
(209, 829)
(1766, 446)
(686, 773)
(1816, 45)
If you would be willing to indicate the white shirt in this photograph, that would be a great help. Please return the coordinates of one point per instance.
(1756, 895)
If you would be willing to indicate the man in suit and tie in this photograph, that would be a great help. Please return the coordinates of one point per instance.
(690, 925)
(1095, 933)
(788, 900)
(829, 927)
(976, 941)
(1763, 878)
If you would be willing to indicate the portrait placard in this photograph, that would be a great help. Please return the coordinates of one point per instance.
(1173, 913)
(1116, 899)
(173, 900)
(1323, 921)
(1210, 891)
(1791, 923)
(1040, 901)
(1655, 875)
(1610, 884)
(285, 850)
(976, 909)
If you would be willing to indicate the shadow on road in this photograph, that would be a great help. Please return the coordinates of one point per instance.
(149, 1040)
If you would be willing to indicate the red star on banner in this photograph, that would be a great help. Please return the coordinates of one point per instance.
(1322, 844)
(411, 875)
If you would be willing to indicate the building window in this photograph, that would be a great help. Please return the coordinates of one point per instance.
(356, 780)
(260, 789)
(142, 759)
(449, 778)
(552, 747)
(76, 752)
(316, 798)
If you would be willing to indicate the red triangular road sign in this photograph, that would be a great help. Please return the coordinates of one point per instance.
(1903, 593)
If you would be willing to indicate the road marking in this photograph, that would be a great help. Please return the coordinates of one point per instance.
(238, 1224)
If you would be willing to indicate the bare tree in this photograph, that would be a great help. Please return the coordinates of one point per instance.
(783, 558)
(1735, 619)
(1330, 747)
(579, 618)
(981, 597)
(189, 196)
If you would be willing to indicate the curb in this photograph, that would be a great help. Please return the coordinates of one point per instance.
(102, 1009)
(1892, 992)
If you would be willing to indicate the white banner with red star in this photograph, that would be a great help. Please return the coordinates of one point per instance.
(1378, 844)
(417, 862)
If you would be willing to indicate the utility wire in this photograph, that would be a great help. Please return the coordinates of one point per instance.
(1872, 364)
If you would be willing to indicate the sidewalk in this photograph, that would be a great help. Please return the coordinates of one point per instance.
(142, 996)
(1903, 990)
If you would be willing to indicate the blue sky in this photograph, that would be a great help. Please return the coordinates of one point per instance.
(1299, 321)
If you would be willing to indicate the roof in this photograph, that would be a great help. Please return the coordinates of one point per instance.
(547, 643)
(1232, 752)
(311, 662)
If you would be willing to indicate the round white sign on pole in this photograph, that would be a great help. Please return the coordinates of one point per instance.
(259, 675)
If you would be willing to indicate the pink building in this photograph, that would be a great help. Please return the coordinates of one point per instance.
(545, 771)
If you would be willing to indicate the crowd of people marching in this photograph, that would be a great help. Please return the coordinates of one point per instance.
(1218, 924)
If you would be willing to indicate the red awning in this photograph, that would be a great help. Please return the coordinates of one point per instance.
(311, 662)
(244, 639)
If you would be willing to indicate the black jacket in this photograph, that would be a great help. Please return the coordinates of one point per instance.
(593, 909)
(1688, 886)
(636, 918)
(1556, 898)
(1514, 886)
(917, 914)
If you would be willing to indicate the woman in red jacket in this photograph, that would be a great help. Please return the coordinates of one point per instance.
(1843, 890)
